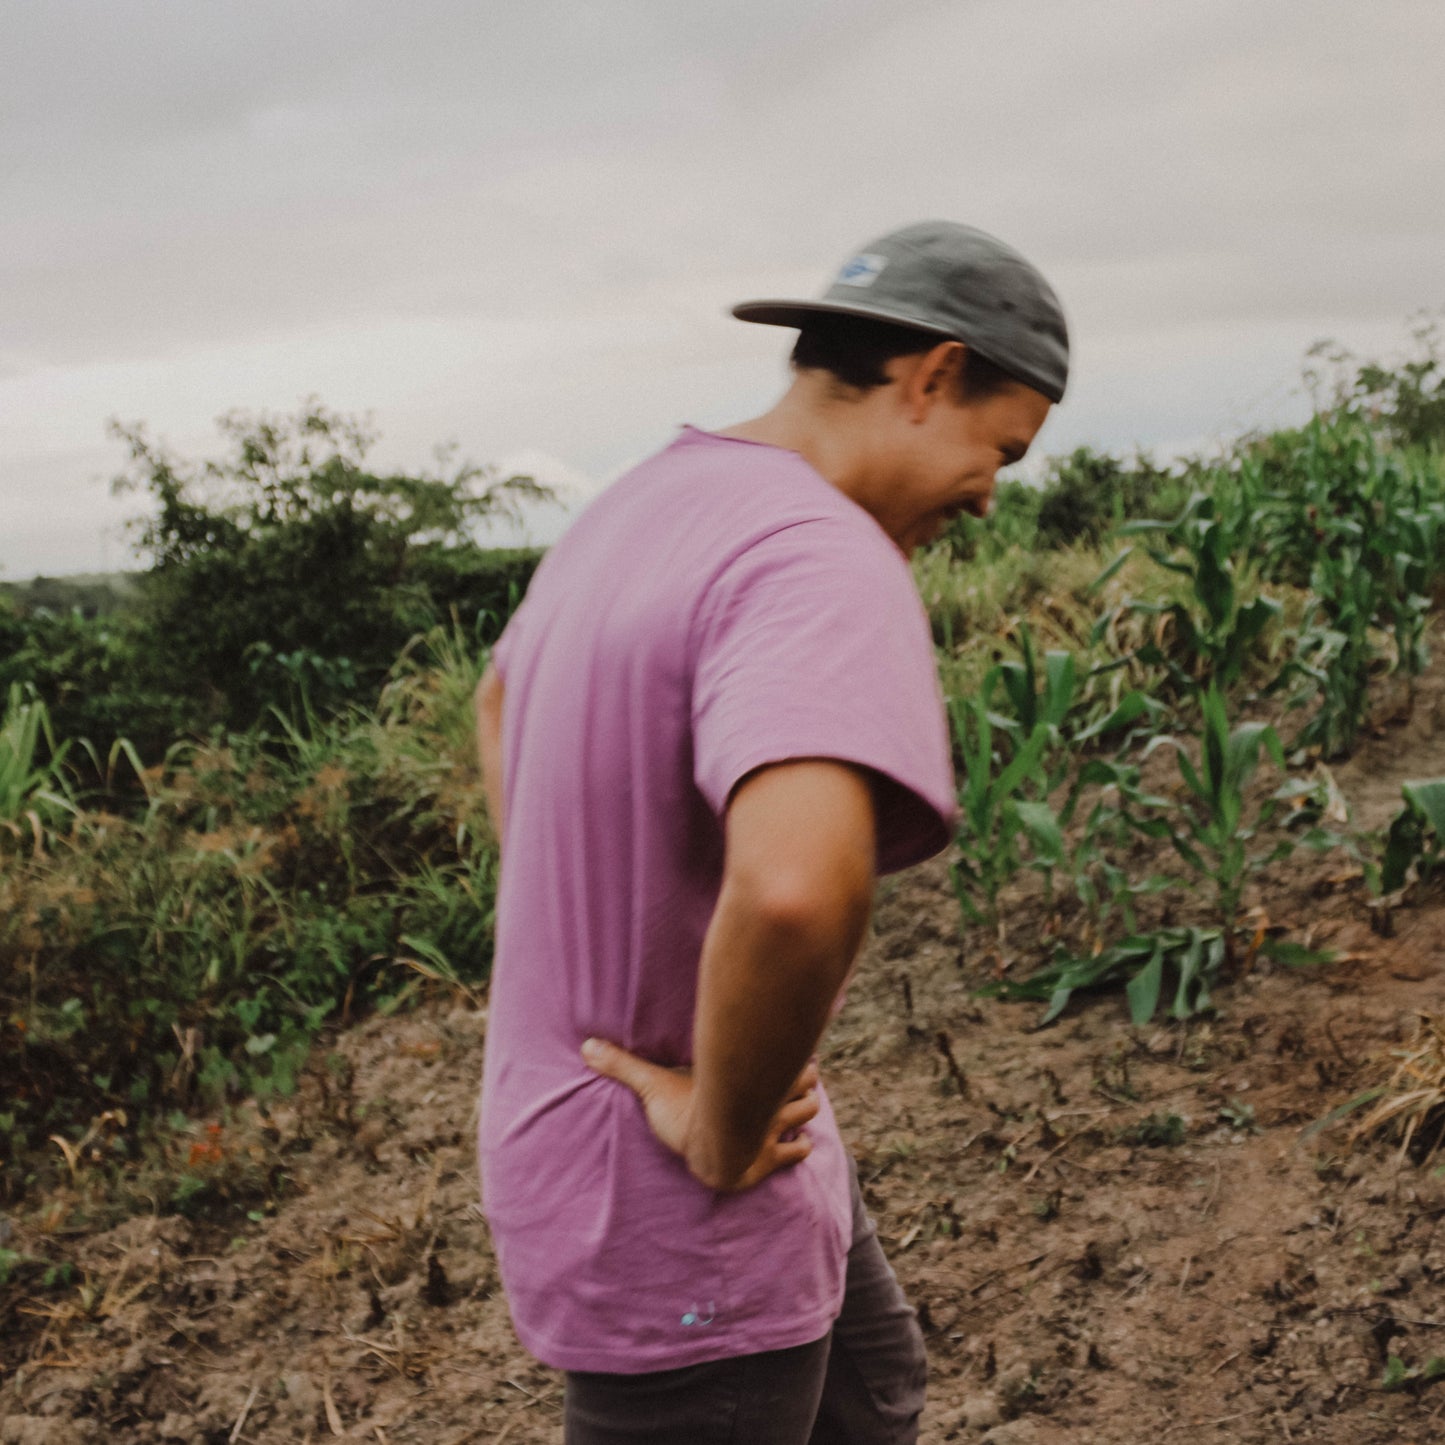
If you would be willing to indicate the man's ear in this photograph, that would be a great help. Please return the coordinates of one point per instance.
(933, 376)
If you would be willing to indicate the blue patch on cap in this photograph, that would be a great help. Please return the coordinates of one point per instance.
(862, 270)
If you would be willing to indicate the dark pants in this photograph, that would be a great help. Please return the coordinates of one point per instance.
(861, 1384)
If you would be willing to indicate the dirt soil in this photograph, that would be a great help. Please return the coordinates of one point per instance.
(1112, 1235)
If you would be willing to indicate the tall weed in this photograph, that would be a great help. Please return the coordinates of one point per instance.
(192, 950)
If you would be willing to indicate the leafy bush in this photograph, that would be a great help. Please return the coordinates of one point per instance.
(1416, 839)
(97, 677)
(1404, 401)
(32, 781)
(270, 884)
(1080, 500)
(288, 571)
(1213, 631)
(93, 595)
(1087, 494)
(1365, 525)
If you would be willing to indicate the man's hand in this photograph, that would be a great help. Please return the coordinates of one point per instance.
(667, 1099)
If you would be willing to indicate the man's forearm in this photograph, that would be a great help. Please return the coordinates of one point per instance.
(785, 933)
(756, 1029)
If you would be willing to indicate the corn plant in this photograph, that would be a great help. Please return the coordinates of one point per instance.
(1053, 698)
(1038, 698)
(994, 816)
(1416, 838)
(1363, 527)
(1180, 963)
(1213, 833)
(1014, 753)
(1333, 486)
(195, 946)
(1121, 810)
(1335, 653)
(1022, 742)
(1215, 632)
(33, 786)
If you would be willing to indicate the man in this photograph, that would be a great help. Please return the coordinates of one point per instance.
(711, 724)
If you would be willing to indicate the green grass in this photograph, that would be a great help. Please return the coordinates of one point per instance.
(189, 950)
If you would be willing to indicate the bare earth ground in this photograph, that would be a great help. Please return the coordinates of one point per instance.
(1244, 1283)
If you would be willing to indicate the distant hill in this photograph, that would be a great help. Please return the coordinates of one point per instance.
(95, 594)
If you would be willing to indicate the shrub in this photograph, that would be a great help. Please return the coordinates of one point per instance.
(1087, 494)
(288, 570)
(97, 677)
(270, 885)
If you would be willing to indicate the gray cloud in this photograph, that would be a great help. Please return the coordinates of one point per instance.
(520, 224)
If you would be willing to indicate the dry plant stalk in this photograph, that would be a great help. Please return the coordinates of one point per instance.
(1412, 1102)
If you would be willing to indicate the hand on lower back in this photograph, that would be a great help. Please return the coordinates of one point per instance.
(666, 1098)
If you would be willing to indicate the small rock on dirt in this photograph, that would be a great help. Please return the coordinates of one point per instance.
(980, 1412)
(1016, 1432)
(30, 1430)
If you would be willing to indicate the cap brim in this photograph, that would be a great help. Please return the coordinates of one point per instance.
(797, 313)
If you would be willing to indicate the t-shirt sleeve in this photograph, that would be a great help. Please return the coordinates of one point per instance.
(813, 643)
(502, 647)
(514, 630)
(516, 625)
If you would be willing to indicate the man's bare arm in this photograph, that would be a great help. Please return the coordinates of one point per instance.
(488, 702)
(797, 888)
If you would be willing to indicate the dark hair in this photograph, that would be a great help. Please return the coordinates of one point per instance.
(855, 350)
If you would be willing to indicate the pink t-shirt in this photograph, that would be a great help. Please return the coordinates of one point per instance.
(720, 607)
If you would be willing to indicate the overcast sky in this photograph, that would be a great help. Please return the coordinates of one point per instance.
(518, 225)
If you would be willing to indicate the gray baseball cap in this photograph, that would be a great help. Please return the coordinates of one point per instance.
(950, 281)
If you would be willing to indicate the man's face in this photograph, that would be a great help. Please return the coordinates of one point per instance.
(950, 458)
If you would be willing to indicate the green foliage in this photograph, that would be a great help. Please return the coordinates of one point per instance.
(1080, 500)
(97, 676)
(32, 780)
(1019, 742)
(1405, 401)
(1302, 565)
(1213, 831)
(1025, 751)
(1178, 962)
(1215, 631)
(93, 595)
(176, 935)
(288, 570)
(1330, 507)
(1010, 741)
(1088, 494)
(995, 810)
(1240, 1116)
(192, 951)
(1366, 526)
(1400, 1376)
(1157, 1131)
(1416, 838)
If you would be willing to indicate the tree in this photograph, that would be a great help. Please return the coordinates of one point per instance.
(288, 565)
